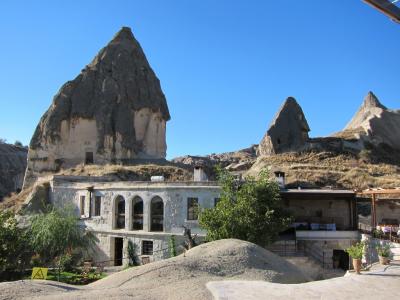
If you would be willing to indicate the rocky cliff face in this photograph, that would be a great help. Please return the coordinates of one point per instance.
(361, 156)
(288, 131)
(375, 123)
(12, 168)
(113, 111)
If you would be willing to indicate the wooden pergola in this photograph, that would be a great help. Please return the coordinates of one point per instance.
(374, 194)
(387, 7)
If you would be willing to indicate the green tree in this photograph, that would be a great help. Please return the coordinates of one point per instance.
(18, 144)
(250, 211)
(57, 234)
(15, 252)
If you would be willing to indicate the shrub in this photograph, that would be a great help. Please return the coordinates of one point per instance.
(15, 251)
(172, 246)
(133, 259)
(383, 250)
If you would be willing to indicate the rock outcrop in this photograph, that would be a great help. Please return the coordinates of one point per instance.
(114, 111)
(12, 168)
(288, 131)
(375, 123)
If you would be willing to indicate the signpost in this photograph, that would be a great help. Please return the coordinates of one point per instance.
(39, 273)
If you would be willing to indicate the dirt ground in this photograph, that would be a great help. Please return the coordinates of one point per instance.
(181, 277)
(381, 282)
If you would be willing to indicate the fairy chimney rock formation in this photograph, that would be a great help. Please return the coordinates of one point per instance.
(113, 111)
(375, 123)
(288, 131)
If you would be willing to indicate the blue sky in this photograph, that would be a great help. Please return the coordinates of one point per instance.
(224, 66)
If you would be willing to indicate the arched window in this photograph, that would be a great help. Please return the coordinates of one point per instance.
(119, 212)
(156, 214)
(137, 213)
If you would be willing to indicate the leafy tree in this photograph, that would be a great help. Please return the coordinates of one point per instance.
(251, 210)
(56, 234)
(18, 144)
(15, 252)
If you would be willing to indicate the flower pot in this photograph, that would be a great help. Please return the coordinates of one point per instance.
(357, 265)
(384, 260)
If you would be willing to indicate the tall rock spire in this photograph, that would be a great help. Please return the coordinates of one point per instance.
(287, 132)
(369, 108)
(375, 123)
(113, 111)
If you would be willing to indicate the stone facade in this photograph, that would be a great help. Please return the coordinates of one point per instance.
(67, 191)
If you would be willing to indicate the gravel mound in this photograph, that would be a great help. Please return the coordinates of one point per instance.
(185, 276)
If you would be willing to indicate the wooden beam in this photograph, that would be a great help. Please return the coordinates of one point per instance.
(387, 8)
(380, 192)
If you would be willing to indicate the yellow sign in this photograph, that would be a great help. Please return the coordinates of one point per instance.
(39, 273)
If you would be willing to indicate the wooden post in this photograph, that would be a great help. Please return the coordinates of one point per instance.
(373, 216)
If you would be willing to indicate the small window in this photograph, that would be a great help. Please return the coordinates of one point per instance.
(147, 247)
(97, 205)
(216, 200)
(89, 158)
(82, 205)
(192, 208)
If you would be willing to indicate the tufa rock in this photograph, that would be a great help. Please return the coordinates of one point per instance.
(114, 111)
(288, 131)
(12, 168)
(376, 124)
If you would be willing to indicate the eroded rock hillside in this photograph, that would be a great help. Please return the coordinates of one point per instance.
(366, 153)
(12, 168)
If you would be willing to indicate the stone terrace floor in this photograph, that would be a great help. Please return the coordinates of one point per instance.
(380, 282)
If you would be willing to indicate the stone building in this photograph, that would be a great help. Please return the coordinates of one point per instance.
(149, 213)
(145, 213)
(114, 111)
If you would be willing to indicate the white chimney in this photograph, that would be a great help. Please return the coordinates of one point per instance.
(157, 178)
(280, 178)
(199, 174)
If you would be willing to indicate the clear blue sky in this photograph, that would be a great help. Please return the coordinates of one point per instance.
(224, 66)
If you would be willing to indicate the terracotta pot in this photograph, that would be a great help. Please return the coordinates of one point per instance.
(357, 265)
(384, 260)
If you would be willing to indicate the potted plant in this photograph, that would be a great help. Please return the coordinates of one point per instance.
(356, 252)
(383, 254)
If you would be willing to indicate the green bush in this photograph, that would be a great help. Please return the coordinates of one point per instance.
(172, 246)
(383, 250)
(133, 259)
(15, 250)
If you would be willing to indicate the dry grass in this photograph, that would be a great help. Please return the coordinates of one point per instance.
(137, 172)
(321, 169)
(15, 201)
